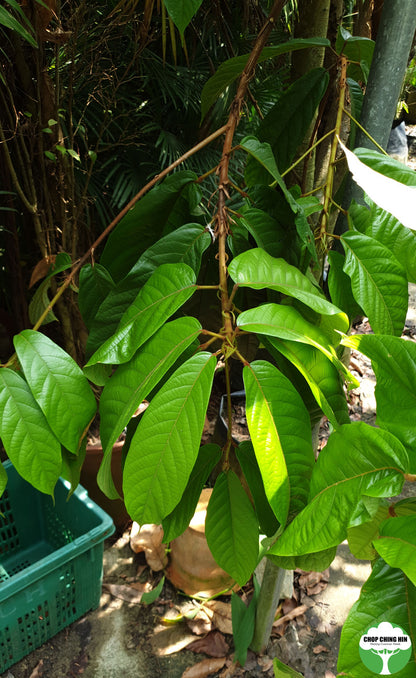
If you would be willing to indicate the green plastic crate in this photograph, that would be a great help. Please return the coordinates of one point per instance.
(51, 560)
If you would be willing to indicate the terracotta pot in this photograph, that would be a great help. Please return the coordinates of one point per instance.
(114, 507)
(192, 567)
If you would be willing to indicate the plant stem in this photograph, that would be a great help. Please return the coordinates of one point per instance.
(269, 596)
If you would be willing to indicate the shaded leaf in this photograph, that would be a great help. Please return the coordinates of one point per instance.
(339, 285)
(397, 544)
(231, 528)
(248, 462)
(182, 11)
(370, 462)
(40, 303)
(9, 21)
(213, 644)
(263, 154)
(165, 291)
(58, 385)
(243, 619)
(132, 383)
(360, 537)
(28, 440)
(283, 671)
(166, 443)
(95, 283)
(230, 70)
(378, 282)
(266, 230)
(280, 430)
(178, 520)
(149, 597)
(3, 479)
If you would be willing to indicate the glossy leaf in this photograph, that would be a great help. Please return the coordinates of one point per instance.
(231, 528)
(243, 619)
(165, 446)
(247, 459)
(339, 285)
(266, 231)
(386, 596)
(59, 387)
(132, 383)
(394, 363)
(379, 224)
(230, 70)
(361, 536)
(397, 544)
(143, 224)
(283, 671)
(258, 270)
(280, 431)
(357, 460)
(378, 282)
(285, 322)
(310, 562)
(286, 124)
(178, 520)
(263, 154)
(95, 283)
(322, 377)
(182, 11)
(28, 440)
(165, 291)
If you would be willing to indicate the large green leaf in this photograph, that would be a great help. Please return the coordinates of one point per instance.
(310, 562)
(143, 225)
(165, 446)
(394, 363)
(378, 282)
(263, 155)
(231, 69)
(258, 269)
(285, 322)
(339, 285)
(397, 544)
(9, 21)
(182, 11)
(243, 618)
(26, 435)
(386, 165)
(59, 387)
(178, 520)
(357, 460)
(132, 383)
(184, 245)
(379, 224)
(286, 124)
(361, 536)
(95, 283)
(322, 377)
(359, 51)
(280, 431)
(231, 528)
(386, 596)
(247, 459)
(266, 231)
(165, 291)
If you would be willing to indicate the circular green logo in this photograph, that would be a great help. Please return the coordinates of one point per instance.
(385, 649)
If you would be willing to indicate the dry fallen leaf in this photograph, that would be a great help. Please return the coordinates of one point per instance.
(124, 592)
(167, 640)
(213, 644)
(201, 623)
(290, 615)
(205, 668)
(220, 614)
(320, 648)
(317, 588)
(149, 538)
(41, 269)
(38, 670)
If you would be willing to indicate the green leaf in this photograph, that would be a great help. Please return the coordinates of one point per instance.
(27, 438)
(3, 479)
(98, 374)
(386, 229)
(386, 596)
(397, 544)
(287, 123)
(285, 322)
(258, 270)
(280, 430)
(143, 225)
(49, 154)
(359, 51)
(149, 597)
(266, 231)
(231, 528)
(62, 262)
(310, 562)
(9, 21)
(283, 671)
(248, 462)
(394, 363)
(263, 155)
(321, 376)
(40, 303)
(165, 291)
(132, 383)
(182, 11)
(378, 282)
(243, 619)
(357, 460)
(231, 69)
(73, 154)
(71, 466)
(361, 536)
(58, 385)
(339, 285)
(95, 283)
(178, 520)
(166, 443)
